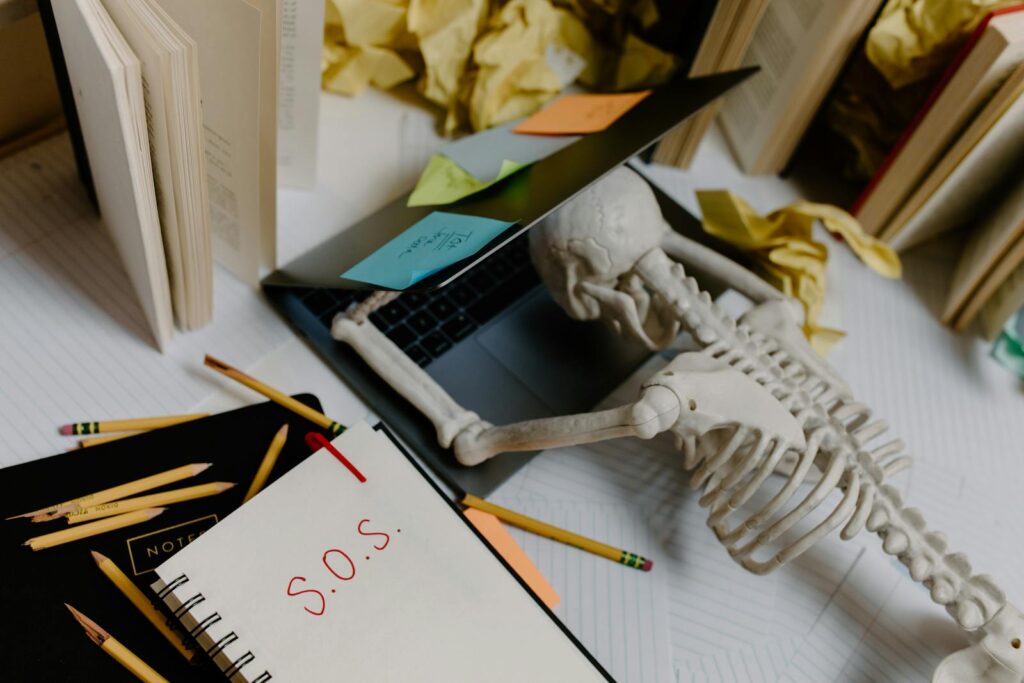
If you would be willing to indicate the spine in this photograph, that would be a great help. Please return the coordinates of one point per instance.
(209, 630)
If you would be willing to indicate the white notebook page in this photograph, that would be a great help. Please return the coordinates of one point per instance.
(372, 581)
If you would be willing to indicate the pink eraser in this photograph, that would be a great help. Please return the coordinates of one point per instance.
(647, 565)
(67, 430)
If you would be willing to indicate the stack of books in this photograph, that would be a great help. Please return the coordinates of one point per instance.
(171, 107)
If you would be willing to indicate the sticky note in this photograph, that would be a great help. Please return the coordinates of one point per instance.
(580, 114)
(483, 153)
(432, 243)
(491, 528)
(444, 181)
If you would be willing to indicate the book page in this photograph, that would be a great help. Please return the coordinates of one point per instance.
(153, 61)
(108, 96)
(371, 579)
(1004, 302)
(791, 35)
(269, 73)
(228, 36)
(298, 110)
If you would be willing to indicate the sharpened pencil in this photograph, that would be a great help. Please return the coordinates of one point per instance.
(267, 464)
(125, 657)
(138, 598)
(136, 424)
(274, 395)
(153, 500)
(101, 526)
(130, 488)
(535, 526)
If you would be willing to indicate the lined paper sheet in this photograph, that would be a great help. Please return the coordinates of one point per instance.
(617, 612)
(59, 271)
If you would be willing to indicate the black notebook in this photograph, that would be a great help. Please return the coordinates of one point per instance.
(41, 641)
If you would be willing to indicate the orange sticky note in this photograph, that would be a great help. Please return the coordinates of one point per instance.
(578, 114)
(498, 536)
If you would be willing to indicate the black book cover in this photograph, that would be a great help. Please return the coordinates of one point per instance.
(41, 640)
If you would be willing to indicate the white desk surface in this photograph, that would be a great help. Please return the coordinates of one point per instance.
(70, 349)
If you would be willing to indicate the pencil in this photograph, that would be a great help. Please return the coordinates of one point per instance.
(561, 535)
(77, 533)
(137, 598)
(110, 645)
(276, 444)
(107, 426)
(117, 492)
(97, 440)
(274, 395)
(153, 500)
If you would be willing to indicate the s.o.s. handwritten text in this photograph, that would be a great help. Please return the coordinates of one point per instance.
(337, 569)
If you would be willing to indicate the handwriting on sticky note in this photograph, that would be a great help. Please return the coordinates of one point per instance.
(336, 569)
(580, 114)
(431, 244)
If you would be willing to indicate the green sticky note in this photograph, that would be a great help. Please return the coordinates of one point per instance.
(443, 181)
(432, 243)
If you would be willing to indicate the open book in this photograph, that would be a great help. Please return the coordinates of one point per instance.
(177, 102)
(354, 566)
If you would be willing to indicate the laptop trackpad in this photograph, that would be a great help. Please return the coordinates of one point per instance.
(570, 366)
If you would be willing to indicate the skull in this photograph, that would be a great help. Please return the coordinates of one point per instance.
(585, 253)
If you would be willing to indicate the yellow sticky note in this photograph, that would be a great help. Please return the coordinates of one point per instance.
(580, 114)
(491, 528)
(443, 181)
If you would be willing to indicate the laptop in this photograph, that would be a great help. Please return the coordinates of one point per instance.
(485, 328)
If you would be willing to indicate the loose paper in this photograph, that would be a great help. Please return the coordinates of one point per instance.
(432, 243)
(580, 114)
(491, 528)
(444, 181)
(784, 249)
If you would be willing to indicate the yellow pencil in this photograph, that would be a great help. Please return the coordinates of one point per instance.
(97, 440)
(141, 423)
(267, 464)
(110, 645)
(274, 395)
(117, 492)
(77, 533)
(540, 528)
(137, 598)
(153, 500)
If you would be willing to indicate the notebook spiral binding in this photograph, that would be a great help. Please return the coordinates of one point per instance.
(208, 630)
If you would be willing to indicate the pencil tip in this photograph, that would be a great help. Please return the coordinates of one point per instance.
(201, 467)
(153, 512)
(66, 430)
(225, 485)
(283, 431)
(97, 556)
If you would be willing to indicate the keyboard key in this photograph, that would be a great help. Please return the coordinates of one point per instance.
(414, 300)
(394, 312)
(319, 302)
(435, 344)
(377, 319)
(401, 335)
(501, 268)
(442, 309)
(480, 280)
(422, 322)
(418, 355)
(459, 327)
(461, 294)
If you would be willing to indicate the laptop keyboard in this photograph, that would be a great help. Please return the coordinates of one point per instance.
(427, 324)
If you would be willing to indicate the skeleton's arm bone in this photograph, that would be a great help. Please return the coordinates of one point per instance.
(405, 377)
(698, 257)
(475, 440)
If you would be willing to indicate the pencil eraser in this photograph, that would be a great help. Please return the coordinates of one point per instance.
(647, 565)
(66, 430)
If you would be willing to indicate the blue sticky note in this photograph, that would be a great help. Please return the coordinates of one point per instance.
(430, 244)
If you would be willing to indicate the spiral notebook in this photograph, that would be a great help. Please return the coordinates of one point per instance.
(354, 566)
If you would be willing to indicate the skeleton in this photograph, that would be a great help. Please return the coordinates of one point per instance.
(755, 400)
